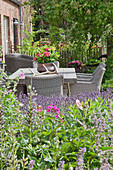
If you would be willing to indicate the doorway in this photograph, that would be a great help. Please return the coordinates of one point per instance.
(15, 23)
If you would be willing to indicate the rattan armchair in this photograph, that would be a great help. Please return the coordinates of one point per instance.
(93, 84)
(46, 85)
(14, 61)
(88, 76)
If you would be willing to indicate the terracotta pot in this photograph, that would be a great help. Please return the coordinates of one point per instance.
(50, 67)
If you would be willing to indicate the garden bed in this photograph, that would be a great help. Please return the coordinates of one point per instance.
(56, 132)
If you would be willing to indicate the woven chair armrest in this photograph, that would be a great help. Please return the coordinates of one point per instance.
(84, 79)
(84, 74)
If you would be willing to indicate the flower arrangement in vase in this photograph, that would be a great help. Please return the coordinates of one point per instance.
(45, 56)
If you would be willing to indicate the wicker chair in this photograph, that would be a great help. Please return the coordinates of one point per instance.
(93, 84)
(16, 61)
(87, 76)
(46, 85)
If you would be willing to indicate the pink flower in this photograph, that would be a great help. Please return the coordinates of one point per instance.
(46, 54)
(21, 74)
(38, 55)
(48, 107)
(10, 90)
(56, 109)
(61, 45)
(79, 105)
(47, 49)
(61, 113)
(38, 110)
(57, 116)
(0, 59)
(48, 42)
(62, 121)
(52, 108)
(34, 58)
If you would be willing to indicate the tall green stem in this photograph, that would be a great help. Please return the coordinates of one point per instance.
(30, 118)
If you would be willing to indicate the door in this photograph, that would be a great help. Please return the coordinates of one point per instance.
(15, 22)
(6, 34)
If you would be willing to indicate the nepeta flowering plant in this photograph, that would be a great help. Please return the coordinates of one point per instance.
(46, 54)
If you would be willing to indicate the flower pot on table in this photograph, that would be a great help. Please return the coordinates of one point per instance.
(44, 67)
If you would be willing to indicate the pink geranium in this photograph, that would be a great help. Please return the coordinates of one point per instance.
(46, 54)
(34, 58)
(47, 49)
(38, 55)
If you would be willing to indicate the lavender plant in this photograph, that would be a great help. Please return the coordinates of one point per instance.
(62, 137)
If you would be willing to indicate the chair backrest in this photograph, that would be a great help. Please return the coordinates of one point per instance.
(16, 61)
(46, 85)
(98, 76)
(100, 65)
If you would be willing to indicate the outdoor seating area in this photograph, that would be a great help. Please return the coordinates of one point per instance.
(52, 83)
(64, 82)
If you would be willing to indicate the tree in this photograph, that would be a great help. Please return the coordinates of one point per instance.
(76, 18)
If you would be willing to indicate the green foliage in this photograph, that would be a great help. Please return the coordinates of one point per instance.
(77, 24)
(27, 44)
(41, 33)
(109, 71)
(76, 18)
(107, 84)
(33, 138)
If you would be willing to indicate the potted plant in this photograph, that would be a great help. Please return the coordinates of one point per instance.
(45, 56)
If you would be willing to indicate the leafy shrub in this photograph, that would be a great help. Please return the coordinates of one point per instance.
(108, 84)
